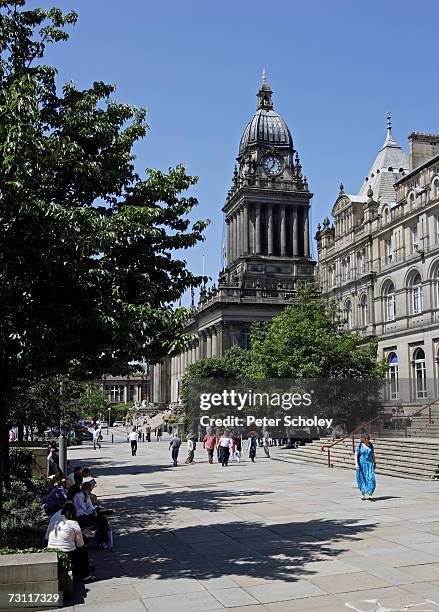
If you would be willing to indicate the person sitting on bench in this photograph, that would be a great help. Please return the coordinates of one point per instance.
(89, 516)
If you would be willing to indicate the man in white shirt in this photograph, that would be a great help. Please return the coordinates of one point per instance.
(96, 438)
(224, 443)
(133, 437)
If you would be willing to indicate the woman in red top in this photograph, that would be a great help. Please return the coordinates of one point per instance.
(209, 443)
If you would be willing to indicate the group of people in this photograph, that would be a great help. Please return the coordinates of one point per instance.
(75, 514)
(226, 446)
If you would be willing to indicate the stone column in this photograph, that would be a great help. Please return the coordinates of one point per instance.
(229, 245)
(208, 343)
(232, 237)
(283, 230)
(258, 229)
(252, 232)
(270, 229)
(295, 233)
(220, 340)
(214, 343)
(306, 233)
(235, 235)
(245, 231)
(239, 232)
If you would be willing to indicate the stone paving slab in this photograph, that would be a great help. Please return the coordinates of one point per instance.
(269, 536)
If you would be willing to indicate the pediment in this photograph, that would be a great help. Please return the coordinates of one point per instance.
(343, 203)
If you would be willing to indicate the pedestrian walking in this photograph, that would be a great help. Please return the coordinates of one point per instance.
(97, 438)
(133, 437)
(209, 443)
(174, 447)
(252, 445)
(191, 446)
(238, 450)
(365, 465)
(218, 447)
(158, 433)
(224, 443)
(266, 444)
(148, 433)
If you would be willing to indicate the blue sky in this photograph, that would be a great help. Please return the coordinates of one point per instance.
(336, 67)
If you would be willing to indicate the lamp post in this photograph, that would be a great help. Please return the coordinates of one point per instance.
(109, 417)
(62, 442)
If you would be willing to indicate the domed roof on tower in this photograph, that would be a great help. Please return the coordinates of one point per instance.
(390, 164)
(266, 128)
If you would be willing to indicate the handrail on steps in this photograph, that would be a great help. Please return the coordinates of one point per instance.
(377, 419)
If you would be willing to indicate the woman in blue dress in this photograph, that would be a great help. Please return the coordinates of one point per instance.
(365, 467)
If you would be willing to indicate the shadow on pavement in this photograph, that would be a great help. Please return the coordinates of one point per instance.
(244, 550)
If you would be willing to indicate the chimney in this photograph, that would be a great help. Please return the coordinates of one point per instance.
(422, 148)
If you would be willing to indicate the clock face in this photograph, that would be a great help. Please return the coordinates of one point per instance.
(272, 165)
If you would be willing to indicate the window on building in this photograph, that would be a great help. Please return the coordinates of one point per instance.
(360, 262)
(436, 281)
(436, 229)
(417, 298)
(348, 308)
(245, 338)
(393, 375)
(386, 215)
(363, 310)
(420, 374)
(388, 250)
(132, 393)
(116, 393)
(435, 190)
(414, 238)
(389, 300)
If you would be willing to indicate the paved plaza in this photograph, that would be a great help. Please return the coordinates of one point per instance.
(265, 536)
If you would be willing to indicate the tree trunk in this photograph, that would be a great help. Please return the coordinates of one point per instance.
(20, 432)
(5, 479)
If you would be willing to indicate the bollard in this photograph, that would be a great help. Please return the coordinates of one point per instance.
(112, 438)
(62, 445)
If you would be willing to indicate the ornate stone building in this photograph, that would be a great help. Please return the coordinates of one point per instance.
(380, 260)
(126, 389)
(268, 248)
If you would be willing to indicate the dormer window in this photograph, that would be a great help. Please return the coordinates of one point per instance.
(390, 169)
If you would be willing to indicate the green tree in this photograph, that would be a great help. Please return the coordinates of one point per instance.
(234, 364)
(88, 271)
(309, 340)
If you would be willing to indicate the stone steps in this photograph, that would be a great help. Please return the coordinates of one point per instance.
(405, 458)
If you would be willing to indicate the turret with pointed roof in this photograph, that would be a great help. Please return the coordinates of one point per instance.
(390, 165)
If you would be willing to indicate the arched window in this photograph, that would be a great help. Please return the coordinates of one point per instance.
(363, 311)
(420, 375)
(386, 215)
(389, 302)
(348, 308)
(412, 201)
(416, 291)
(393, 375)
(435, 190)
(245, 339)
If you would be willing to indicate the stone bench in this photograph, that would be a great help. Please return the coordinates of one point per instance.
(28, 573)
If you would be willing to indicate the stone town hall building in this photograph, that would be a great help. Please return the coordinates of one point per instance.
(268, 249)
(380, 261)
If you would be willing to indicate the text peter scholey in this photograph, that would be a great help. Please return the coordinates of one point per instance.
(249, 420)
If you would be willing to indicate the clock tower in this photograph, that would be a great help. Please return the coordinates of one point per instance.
(267, 206)
(268, 248)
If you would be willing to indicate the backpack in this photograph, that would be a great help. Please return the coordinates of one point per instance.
(176, 443)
